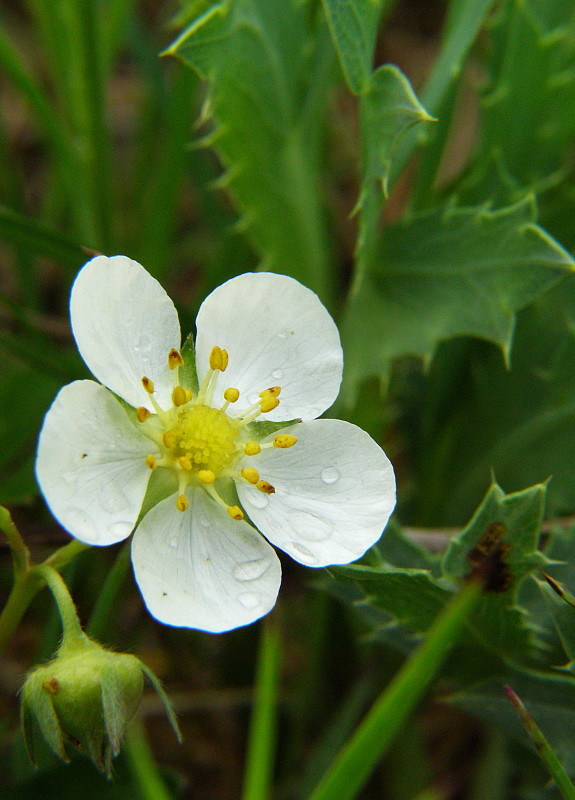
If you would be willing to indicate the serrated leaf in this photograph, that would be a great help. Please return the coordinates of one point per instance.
(519, 515)
(266, 67)
(480, 416)
(353, 26)
(412, 598)
(447, 273)
(532, 82)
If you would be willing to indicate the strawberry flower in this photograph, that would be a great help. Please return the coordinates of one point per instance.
(206, 451)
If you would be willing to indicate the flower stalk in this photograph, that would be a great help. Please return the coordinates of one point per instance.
(357, 759)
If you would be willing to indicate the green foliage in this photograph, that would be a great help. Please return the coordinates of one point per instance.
(435, 218)
(269, 68)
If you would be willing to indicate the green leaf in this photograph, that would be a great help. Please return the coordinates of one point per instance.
(520, 515)
(531, 69)
(477, 416)
(353, 26)
(549, 698)
(446, 273)
(412, 598)
(268, 67)
(33, 237)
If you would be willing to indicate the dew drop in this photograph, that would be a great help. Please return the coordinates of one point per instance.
(257, 499)
(277, 374)
(69, 477)
(329, 475)
(250, 600)
(283, 334)
(309, 527)
(250, 570)
(173, 542)
(302, 554)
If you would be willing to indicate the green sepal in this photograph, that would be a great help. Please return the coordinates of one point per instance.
(260, 430)
(187, 375)
(156, 683)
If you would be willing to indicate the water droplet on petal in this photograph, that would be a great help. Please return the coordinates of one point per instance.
(302, 554)
(250, 570)
(250, 600)
(310, 527)
(277, 374)
(329, 475)
(173, 542)
(69, 477)
(258, 499)
(283, 334)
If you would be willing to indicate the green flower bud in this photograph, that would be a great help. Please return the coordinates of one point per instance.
(84, 698)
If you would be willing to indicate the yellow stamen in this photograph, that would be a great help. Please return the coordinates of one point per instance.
(252, 448)
(265, 487)
(218, 359)
(169, 439)
(151, 461)
(142, 414)
(235, 512)
(268, 403)
(175, 359)
(231, 395)
(207, 475)
(250, 474)
(273, 391)
(182, 503)
(148, 385)
(185, 463)
(283, 440)
(181, 396)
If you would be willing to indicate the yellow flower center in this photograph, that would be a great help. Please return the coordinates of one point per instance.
(201, 443)
(205, 438)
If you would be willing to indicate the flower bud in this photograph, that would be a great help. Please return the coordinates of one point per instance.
(84, 698)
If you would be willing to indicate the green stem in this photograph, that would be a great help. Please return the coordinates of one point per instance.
(99, 623)
(142, 765)
(262, 737)
(28, 584)
(552, 763)
(355, 762)
(72, 633)
(20, 553)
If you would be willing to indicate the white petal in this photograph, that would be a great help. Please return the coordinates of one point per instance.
(125, 325)
(201, 569)
(276, 332)
(91, 464)
(335, 491)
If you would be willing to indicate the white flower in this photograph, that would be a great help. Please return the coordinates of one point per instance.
(322, 490)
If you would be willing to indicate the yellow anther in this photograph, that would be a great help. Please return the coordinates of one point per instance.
(265, 487)
(207, 475)
(142, 414)
(273, 391)
(250, 474)
(175, 359)
(182, 502)
(148, 385)
(231, 395)
(235, 512)
(151, 462)
(169, 439)
(181, 396)
(268, 403)
(218, 359)
(252, 448)
(185, 463)
(283, 440)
